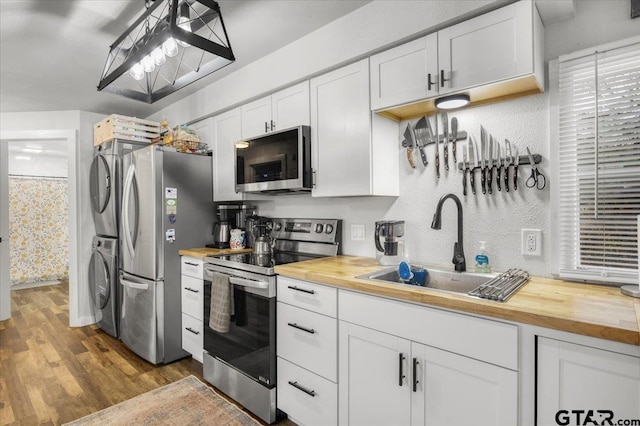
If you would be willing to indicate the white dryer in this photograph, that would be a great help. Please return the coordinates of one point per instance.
(103, 284)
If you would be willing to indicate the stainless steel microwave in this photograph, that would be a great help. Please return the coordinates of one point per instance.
(276, 162)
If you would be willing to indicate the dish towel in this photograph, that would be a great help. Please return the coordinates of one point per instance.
(221, 303)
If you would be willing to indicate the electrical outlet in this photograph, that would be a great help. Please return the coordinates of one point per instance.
(357, 232)
(532, 242)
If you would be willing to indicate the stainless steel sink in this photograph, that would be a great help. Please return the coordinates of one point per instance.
(437, 279)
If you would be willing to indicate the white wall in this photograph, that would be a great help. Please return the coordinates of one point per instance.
(80, 126)
(496, 218)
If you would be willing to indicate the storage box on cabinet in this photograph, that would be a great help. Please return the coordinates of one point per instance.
(306, 397)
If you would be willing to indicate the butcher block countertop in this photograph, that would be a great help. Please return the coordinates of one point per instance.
(591, 310)
(202, 252)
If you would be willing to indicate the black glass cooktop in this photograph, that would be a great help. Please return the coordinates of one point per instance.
(259, 263)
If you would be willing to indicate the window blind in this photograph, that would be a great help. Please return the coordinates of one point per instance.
(599, 165)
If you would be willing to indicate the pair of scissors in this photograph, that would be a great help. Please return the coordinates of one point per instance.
(537, 179)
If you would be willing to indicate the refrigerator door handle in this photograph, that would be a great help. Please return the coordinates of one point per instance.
(131, 284)
(128, 184)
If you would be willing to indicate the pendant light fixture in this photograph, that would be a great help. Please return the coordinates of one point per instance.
(173, 44)
(453, 101)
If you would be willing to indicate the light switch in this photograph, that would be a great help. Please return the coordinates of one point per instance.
(357, 232)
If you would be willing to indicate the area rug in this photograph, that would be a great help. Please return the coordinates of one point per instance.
(185, 402)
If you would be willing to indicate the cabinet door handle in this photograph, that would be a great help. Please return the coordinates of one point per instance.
(293, 287)
(302, 388)
(266, 127)
(192, 290)
(429, 82)
(191, 264)
(442, 79)
(415, 374)
(192, 330)
(273, 125)
(299, 327)
(401, 358)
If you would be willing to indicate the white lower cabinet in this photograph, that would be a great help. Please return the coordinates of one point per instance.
(385, 379)
(307, 349)
(579, 384)
(192, 305)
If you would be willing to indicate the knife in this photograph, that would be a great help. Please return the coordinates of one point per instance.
(445, 134)
(508, 161)
(483, 153)
(465, 167)
(409, 139)
(490, 165)
(454, 137)
(435, 141)
(473, 153)
(498, 166)
(420, 143)
(515, 170)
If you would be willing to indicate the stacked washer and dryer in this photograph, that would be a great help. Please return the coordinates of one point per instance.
(105, 188)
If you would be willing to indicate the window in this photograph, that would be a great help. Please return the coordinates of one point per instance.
(598, 189)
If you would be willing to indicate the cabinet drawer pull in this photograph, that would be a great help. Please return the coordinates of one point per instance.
(192, 290)
(442, 79)
(400, 369)
(304, 290)
(192, 330)
(303, 389)
(299, 327)
(191, 264)
(415, 374)
(429, 82)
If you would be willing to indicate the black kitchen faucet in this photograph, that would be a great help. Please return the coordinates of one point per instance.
(458, 251)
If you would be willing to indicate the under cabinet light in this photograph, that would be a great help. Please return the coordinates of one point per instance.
(453, 101)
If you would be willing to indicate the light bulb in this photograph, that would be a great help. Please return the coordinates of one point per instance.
(170, 47)
(184, 23)
(148, 64)
(137, 71)
(158, 56)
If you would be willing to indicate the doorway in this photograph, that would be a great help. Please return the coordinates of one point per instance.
(12, 144)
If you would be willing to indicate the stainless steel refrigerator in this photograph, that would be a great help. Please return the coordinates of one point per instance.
(166, 206)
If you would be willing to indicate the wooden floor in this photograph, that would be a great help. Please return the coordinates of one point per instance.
(52, 374)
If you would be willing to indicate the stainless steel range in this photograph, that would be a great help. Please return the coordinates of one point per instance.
(240, 319)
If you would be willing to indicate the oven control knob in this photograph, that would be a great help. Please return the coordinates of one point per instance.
(328, 229)
(318, 228)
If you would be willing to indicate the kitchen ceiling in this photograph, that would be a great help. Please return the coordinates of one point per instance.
(53, 51)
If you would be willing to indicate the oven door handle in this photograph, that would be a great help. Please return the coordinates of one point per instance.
(241, 281)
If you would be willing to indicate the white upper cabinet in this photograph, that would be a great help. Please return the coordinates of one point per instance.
(352, 154)
(226, 132)
(279, 111)
(406, 73)
(496, 46)
(488, 57)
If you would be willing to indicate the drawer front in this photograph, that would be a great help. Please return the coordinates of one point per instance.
(192, 294)
(192, 341)
(308, 339)
(307, 295)
(486, 340)
(192, 267)
(318, 406)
